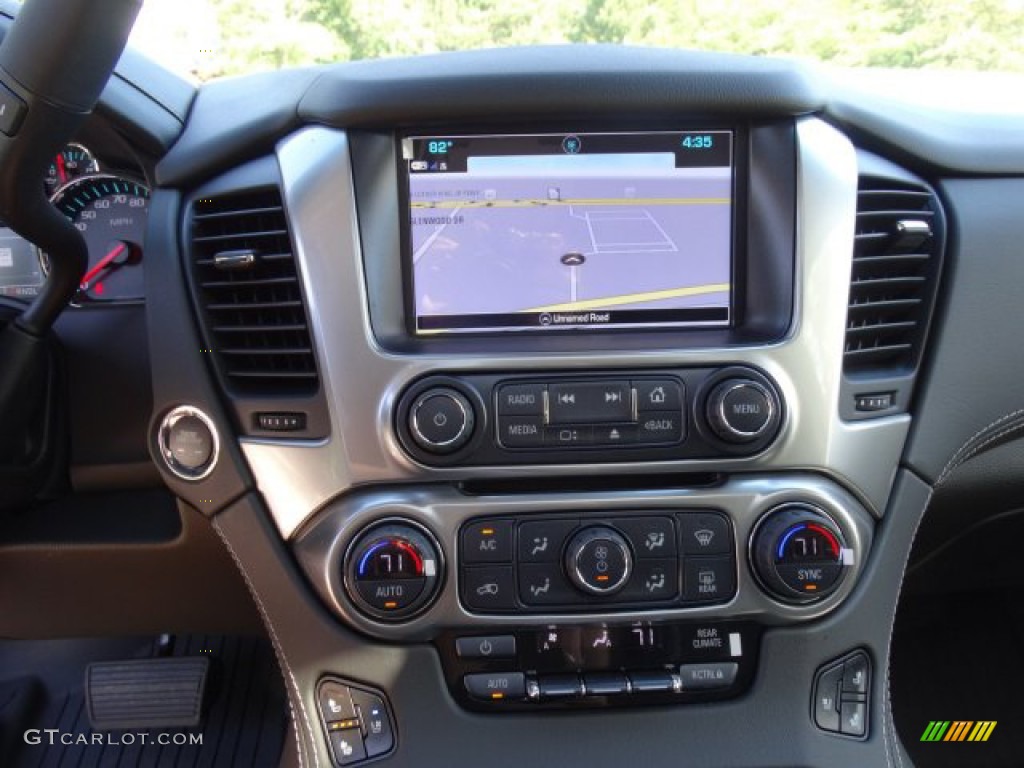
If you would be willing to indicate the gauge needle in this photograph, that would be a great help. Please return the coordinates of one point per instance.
(102, 264)
(62, 172)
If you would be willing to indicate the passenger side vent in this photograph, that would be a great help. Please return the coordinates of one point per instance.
(248, 292)
(897, 250)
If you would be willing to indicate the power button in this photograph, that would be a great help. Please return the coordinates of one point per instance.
(441, 420)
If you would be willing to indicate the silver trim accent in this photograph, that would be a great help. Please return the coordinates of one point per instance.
(589, 534)
(722, 421)
(362, 382)
(232, 260)
(414, 426)
(443, 510)
(163, 442)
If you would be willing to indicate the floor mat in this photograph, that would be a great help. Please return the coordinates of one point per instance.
(956, 659)
(245, 724)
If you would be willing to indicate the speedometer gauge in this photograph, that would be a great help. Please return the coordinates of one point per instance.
(110, 212)
(73, 162)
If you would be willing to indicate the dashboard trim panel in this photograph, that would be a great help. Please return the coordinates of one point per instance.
(363, 382)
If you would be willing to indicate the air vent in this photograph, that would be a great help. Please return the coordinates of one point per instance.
(248, 291)
(895, 269)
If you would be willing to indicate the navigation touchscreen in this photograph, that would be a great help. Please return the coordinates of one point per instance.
(570, 231)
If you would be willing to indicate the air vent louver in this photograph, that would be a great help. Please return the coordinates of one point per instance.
(248, 291)
(895, 268)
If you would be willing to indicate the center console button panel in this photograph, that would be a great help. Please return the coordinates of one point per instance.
(603, 665)
(596, 562)
(472, 419)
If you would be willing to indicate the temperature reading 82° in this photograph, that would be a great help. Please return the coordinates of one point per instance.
(439, 147)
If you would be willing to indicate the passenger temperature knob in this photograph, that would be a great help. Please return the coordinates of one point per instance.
(798, 554)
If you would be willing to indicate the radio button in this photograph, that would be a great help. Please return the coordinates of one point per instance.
(521, 400)
(660, 427)
(521, 431)
(592, 402)
(658, 395)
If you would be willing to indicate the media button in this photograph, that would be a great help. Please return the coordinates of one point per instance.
(521, 431)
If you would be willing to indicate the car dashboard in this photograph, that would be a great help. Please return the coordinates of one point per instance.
(561, 405)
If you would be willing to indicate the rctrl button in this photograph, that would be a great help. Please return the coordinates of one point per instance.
(826, 698)
(701, 677)
(592, 402)
(658, 395)
(496, 686)
(347, 746)
(378, 735)
(488, 541)
(521, 400)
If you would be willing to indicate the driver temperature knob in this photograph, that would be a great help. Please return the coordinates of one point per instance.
(598, 560)
(797, 553)
(393, 570)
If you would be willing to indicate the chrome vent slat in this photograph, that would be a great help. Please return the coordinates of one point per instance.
(892, 279)
(255, 315)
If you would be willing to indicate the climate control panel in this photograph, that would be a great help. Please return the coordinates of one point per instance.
(639, 559)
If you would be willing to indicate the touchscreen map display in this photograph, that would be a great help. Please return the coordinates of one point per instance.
(570, 231)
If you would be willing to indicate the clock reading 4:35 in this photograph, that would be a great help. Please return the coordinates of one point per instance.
(697, 141)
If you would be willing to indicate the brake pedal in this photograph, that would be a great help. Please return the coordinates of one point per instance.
(146, 693)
